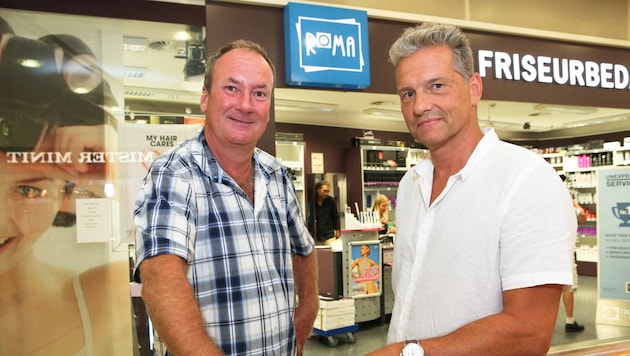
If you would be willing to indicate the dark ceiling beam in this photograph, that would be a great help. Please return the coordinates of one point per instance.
(145, 10)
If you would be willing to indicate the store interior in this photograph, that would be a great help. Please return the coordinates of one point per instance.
(161, 83)
(325, 121)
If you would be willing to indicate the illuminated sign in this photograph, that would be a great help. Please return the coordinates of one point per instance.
(326, 47)
(545, 69)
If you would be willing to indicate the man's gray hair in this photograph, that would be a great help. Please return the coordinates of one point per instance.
(432, 34)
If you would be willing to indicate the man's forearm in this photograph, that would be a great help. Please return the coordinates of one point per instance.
(305, 274)
(519, 329)
(173, 308)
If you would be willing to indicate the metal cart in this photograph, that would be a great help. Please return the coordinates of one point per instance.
(330, 336)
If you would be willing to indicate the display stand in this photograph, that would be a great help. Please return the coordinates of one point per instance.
(361, 283)
(368, 306)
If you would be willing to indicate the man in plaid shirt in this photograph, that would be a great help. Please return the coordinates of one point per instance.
(222, 247)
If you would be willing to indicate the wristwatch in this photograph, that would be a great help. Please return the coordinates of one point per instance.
(412, 348)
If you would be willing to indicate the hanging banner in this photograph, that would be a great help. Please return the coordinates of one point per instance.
(143, 144)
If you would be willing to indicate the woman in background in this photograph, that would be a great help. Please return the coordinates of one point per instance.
(382, 204)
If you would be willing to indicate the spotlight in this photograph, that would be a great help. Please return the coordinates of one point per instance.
(195, 66)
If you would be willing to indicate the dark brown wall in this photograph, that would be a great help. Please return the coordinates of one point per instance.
(265, 24)
(534, 92)
(122, 9)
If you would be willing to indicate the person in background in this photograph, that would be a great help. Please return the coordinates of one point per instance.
(47, 308)
(327, 223)
(568, 292)
(381, 204)
(484, 227)
(222, 247)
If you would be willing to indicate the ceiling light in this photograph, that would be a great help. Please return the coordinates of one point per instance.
(161, 95)
(566, 109)
(296, 105)
(597, 121)
(30, 63)
(383, 113)
(182, 36)
(109, 190)
(134, 44)
(513, 126)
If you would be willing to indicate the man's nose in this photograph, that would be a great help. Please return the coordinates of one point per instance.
(245, 103)
(421, 104)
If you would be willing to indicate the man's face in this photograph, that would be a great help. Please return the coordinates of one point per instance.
(436, 101)
(238, 102)
(323, 191)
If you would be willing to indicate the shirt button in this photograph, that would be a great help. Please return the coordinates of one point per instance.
(270, 289)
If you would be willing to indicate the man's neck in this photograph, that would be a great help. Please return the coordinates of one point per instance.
(236, 160)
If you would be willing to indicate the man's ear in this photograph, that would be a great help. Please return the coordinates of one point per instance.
(476, 88)
(203, 102)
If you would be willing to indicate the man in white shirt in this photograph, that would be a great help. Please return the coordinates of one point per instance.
(484, 227)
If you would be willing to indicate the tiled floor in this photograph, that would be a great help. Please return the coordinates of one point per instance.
(372, 335)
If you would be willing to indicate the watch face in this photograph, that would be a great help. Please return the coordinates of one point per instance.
(412, 349)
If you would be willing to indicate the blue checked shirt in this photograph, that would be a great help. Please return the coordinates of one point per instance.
(239, 254)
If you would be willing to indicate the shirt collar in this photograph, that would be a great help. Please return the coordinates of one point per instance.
(208, 163)
(487, 143)
(485, 146)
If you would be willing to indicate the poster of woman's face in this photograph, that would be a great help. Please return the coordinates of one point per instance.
(58, 105)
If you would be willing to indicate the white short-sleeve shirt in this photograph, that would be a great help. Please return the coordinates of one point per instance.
(505, 221)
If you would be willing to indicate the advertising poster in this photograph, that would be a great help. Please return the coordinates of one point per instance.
(142, 144)
(613, 211)
(365, 269)
(59, 109)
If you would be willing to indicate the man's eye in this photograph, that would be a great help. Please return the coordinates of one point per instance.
(407, 94)
(438, 85)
